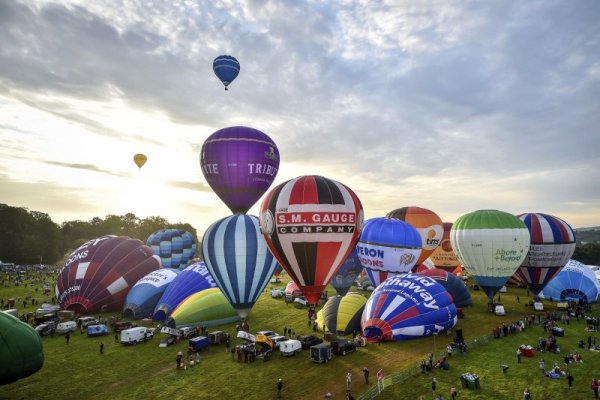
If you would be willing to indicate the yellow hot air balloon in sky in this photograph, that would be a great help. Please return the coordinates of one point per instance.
(140, 160)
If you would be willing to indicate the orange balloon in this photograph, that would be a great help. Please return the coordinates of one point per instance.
(443, 256)
(140, 160)
(426, 222)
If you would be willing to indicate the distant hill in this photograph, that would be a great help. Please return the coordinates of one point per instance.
(588, 235)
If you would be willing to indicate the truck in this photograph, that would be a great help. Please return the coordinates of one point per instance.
(198, 343)
(66, 327)
(218, 337)
(136, 335)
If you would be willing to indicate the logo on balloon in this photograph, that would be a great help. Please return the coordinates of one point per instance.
(270, 155)
(407, 259)
(268, 223)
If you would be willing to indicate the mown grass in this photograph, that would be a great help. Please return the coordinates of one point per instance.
(78, 371)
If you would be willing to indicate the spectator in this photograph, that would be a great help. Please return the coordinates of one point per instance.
(366, 374)
(526, 394)
(453, 393)
(279, 388)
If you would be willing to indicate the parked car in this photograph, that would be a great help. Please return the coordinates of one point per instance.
(136, 335)
(86, 321)
(342, 347)
(119, 326)
(65, 327)
(290, 347)
(321, 353)
(277, 339)
(187, 332)
(218, 337)
(301, 301)
(47, 328)
(309, 340)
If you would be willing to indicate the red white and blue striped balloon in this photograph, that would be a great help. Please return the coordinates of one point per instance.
(238, 259)
(407, 306)
(552, 245)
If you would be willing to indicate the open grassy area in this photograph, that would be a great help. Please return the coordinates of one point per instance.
(78, 370)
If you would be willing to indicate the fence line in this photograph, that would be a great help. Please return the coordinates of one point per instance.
(415, 368)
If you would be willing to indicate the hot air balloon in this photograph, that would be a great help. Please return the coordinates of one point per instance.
(208, 307)
(454, 285)
(388, 245)
(98, 275)
(311, 224)
(347, 274)
(292, 289)
(427, 264)
(175, 247)
(239, 164)
(226, 68)
(407, 306)
(491, 245)
(575, 282)
(427, 223)
(193, 279)
(238, 259)
(21, 350)
(145, 294)
(552, 245)
(140, 160)
(341, 314)
(443, 256)
(376, 277)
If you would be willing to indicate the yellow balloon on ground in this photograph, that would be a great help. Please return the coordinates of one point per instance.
(140, 160)
(341, 314)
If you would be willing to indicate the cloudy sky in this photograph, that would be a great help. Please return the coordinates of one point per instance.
(453, 106)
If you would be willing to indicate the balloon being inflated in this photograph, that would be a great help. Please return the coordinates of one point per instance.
(239, 164)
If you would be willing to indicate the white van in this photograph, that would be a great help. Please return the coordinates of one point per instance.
(290, 347)
(86, 321)
(64, 327)
(136, 335)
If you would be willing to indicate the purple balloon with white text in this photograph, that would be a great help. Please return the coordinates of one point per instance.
(239, 164)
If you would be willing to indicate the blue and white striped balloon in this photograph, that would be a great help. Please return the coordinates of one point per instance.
(239, 260)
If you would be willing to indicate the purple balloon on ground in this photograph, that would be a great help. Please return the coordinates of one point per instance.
(239, 164)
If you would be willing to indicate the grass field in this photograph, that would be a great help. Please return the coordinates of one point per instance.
(78, 371)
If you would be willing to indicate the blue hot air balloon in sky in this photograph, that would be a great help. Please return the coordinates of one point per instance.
(175, 247)
(226, 68)
(239, 260)
(407, 306)
(145, 294)
(193, 279)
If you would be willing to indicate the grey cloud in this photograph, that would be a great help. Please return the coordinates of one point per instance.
(87, 167)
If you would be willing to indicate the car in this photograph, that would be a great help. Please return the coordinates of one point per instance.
(277, 293)
(269, 334)
(309, 340)
(277, 339)
(187, 332)
(341, 347)
(119, 326)
(47, 328)
(87, 321)
(301, 301)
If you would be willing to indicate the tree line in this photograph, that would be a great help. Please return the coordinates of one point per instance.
(31, 237)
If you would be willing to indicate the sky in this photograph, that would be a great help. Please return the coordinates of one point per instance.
(453, 106)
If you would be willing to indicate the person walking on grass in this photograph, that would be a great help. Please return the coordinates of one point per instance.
(101, 347)
(279, 388)
(595, 386)
(433, 385)
(526, 394)
(366, 374)
(453, 393)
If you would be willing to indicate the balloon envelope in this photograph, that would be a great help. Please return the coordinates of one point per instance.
(145, 294)
(376, 277)
(98, 275)
(407, 306)
(140, 160)
(491, 245)
(239, 164)
(292, 289)
(238, 259)
(389, 245)
(453, 285)
(347, 274)
(444, 257)
(551, 246)
(311, 224)
(226, 68)
(341, 314)
(575, 282)
(427, 223)
(21, 350)
(193, 279)
(208, 307)
(175, 247)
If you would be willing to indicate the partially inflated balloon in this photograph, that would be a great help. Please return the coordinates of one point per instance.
(226, 68)
(407, 306)
(491, 245)
(552, 245)
(21, 352)
(145, 294)
(347, 274)
(238, 259)
(175, 247)
(341, 314)
(454, 285)
(98, 275)
(388, 245)
(208, 307)
(376, 277)
(140, 160)
(239, 164)
(311, 224)
(443, 256)
(575, 282)
(426, 222)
